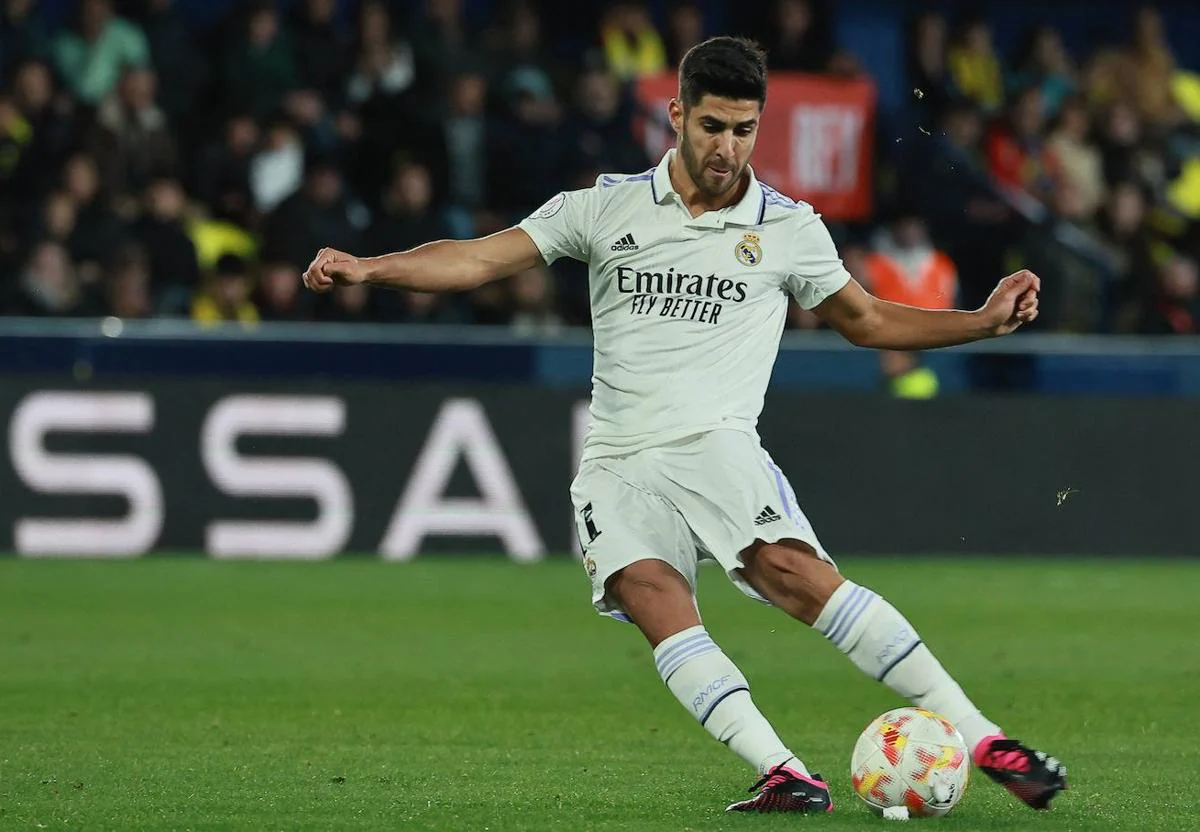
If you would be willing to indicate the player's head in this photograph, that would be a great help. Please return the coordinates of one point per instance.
(722, 91)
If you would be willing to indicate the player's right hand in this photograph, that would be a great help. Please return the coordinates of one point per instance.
(334, 268)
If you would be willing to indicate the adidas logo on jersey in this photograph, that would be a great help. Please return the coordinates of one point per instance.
(767, 515)
(626, 243)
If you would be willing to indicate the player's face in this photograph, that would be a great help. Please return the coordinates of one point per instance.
(716, 140)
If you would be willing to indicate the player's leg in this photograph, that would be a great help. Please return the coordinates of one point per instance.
(641, 558)
(883, 644)
(743, 509)
(661, 602)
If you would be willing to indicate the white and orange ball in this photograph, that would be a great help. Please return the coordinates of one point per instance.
(913, 758)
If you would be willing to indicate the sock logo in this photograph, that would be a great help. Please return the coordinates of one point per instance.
(900, 642)
(713, 688)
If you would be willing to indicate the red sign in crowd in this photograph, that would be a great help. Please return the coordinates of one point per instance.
(814, 144)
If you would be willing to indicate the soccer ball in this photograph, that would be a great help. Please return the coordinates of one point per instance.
(910, 757)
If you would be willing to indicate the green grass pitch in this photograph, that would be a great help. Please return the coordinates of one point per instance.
(475, 694)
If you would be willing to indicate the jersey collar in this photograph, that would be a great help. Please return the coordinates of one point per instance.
(750, 210)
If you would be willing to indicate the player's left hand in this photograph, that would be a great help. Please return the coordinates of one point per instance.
(1013, 302)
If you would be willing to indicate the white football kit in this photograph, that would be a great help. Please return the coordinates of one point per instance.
(687, 314)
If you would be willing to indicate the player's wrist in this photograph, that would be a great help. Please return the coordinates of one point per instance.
(984, 323)
(370, 271)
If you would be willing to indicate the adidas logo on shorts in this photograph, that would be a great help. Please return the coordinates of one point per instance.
(626, 243)
(767, 515)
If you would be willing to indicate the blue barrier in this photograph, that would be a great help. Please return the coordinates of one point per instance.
(95, 350)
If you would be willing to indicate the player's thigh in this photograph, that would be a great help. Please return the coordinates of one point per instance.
(732, 494)
(621, 522)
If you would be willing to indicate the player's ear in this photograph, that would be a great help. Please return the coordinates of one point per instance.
(675, 114)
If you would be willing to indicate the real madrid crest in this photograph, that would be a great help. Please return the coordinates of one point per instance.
(748, 251)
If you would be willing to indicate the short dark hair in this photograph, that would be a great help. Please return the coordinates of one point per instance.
(726, 67)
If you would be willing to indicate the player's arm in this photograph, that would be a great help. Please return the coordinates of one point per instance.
(439, 266)
(867, 321)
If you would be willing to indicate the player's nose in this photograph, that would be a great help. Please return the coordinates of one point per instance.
(725, 147)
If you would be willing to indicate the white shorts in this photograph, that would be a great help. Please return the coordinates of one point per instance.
(705, 497)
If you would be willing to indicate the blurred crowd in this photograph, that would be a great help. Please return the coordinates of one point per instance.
(153, 167)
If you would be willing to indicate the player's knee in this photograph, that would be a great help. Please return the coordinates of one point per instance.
(647, 581)
(793, 577)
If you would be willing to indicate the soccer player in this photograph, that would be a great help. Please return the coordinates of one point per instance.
(691, 264)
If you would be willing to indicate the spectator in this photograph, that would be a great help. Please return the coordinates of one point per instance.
(632, 46)
(951, 187)
(516, 45)
(1076, 157)
(442, 44)
(685, 29)
(56, 220)
(222, 172)
(1016, 148)
(181, 69)
(1175, 309)
(170, 254)
(1122, 223)
(533, 303)
(278, 295)
(459, 151)
(407, 218)
(1045, 64)
(320, 214)
(793, 42)
(226, 295)
(928, 73)
(128, 285)
(23, 34)
(599, 133)
(49, 286)
(525, 148)
(385, 64)
(259, 68)
(132, 139)
(906, 268)
(382, 92)
(16, 146)
(320, 129)
(322, 50)
(98, 230)
(92, 57)
(49, 113)
(975, 67)
(277, 169)
(1128, 152)
(1153, 66)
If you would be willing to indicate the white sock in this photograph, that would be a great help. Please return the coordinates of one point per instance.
(716, 693)
(882, 644)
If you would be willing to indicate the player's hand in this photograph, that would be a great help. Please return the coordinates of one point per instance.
(1013, 302)
(334, 268)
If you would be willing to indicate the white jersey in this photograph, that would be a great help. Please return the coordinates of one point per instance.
(687, 312)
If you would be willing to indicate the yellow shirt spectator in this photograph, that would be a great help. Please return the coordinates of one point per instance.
(226, 296)
(976, 69)
(632, 46)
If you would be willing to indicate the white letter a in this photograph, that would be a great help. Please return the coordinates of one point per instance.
(461, 429)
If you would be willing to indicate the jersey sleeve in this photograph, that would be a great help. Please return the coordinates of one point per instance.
(561, 227)
(816, 270)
